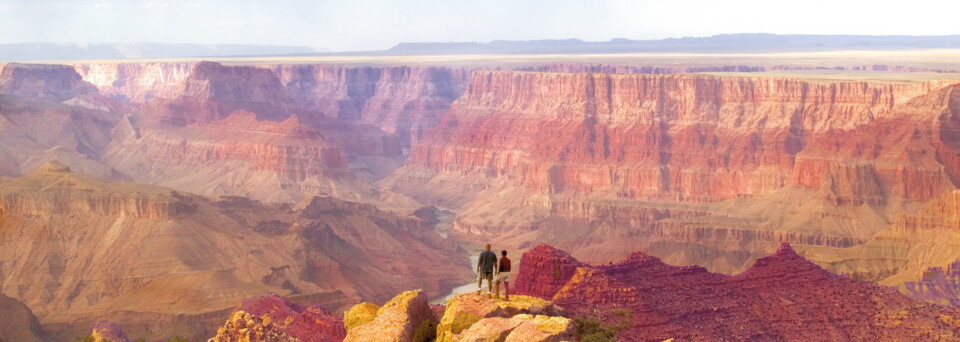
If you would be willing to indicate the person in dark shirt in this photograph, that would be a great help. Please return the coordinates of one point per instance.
(503, 275)
(485, 267)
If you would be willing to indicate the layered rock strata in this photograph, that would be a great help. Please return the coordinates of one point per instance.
(685, 166)
(43, 81)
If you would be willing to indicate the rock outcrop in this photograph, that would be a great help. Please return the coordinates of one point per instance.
(406, 317)
(473, 317)
(782, 297)
(273, 318)
(547, 269)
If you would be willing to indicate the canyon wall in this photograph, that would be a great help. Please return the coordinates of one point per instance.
(695, 169)
(401, 100)
(43, 81)
(683, 137)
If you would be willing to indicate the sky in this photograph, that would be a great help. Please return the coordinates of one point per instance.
(357, 25)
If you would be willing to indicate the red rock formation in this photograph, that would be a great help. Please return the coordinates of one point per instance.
(44, 81)
(546, 270)
(213, 91)
(686, 137)
(782, 297)
(273, 318)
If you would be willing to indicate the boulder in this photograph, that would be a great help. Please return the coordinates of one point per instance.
(406, 317)
(360, 314)
(543, 329)
(466, 310)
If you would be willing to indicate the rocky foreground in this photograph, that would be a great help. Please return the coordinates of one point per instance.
(783, 297)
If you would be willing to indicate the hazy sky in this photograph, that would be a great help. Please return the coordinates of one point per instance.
(373, 25)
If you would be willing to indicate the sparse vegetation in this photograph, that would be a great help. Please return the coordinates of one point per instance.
(597, 330)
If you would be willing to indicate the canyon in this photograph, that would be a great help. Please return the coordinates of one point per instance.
(169, 254)
(129, 183)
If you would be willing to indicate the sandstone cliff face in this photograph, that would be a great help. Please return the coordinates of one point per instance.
(44, 81)
(136, 82)
(782, 297)
(154, 245)
(401, 100)
(212, 91)
(677, 137)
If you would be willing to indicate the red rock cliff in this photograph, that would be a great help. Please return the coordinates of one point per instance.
(691, 137)
(136, 82)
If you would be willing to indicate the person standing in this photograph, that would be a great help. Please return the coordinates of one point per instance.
(503, 275)
(485, 267)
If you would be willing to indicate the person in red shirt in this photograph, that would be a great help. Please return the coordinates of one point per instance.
(503, 275)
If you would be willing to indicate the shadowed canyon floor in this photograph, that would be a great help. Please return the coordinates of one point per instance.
(319, 179)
